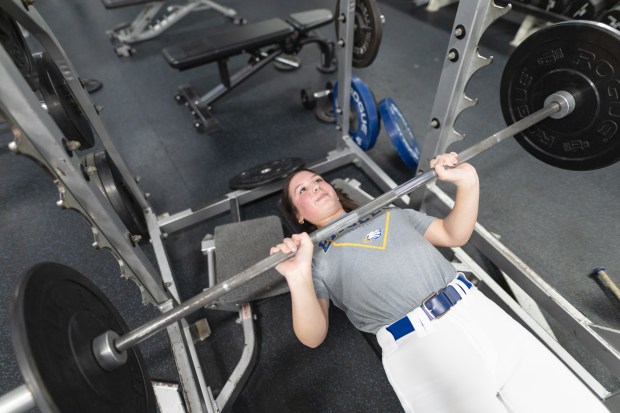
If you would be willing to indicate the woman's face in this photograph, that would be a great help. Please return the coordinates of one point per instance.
(314, 199)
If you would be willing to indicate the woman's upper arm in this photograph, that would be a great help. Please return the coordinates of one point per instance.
(437, 235)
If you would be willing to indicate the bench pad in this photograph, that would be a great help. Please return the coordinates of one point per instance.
(240, 245)
(309, 20)
(219, 46)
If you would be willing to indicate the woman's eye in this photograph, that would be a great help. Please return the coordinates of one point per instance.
(302, 190)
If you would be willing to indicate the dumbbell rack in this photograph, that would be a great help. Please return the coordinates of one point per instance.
(473, 17)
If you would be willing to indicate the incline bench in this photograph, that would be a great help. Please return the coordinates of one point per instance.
(146, 26)
(283, 36)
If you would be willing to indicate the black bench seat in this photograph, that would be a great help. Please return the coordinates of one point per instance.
(219, 46)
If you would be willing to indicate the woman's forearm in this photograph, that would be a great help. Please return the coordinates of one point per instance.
(310, 322)
(459, 224)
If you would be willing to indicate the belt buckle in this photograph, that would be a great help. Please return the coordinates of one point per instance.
(426, 310)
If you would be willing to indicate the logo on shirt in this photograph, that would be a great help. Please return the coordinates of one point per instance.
(326, 244)
(372, 236)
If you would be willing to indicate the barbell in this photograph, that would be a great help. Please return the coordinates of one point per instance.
(560, 95)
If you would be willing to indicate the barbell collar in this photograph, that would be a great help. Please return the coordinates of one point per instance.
(558, 102)
(567, 103)
(106, 353)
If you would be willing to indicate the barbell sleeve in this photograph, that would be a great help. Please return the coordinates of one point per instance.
(557, 103)
(17, 400)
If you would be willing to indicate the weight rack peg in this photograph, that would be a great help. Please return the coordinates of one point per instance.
(558, 104)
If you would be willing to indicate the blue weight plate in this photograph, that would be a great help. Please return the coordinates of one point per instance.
(400, 133)
(364, 125)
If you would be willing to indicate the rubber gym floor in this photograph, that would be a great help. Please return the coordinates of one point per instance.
(561, 223)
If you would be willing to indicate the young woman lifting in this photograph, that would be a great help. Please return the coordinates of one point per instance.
(456, 352)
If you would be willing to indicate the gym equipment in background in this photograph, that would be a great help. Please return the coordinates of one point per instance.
(61, 105)
(150, 23)
(265, 173)
(367, 32)
(278, 36)
(400, 133)
(365, 119)
(364, 123)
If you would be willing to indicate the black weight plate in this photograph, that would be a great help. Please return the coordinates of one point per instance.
(120, 196)
(582, 58)
(56, 313)
(266, 173)
(611, 17)
(584, 9)
(15, 45)
(284, 65)
(61, 105)
(325, 111)
(367, 32)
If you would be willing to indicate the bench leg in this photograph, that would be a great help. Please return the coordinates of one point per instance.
(328, 61)
(200, 107)
(204, 121)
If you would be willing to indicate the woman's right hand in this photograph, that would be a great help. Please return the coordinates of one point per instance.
(300, 264)
(463, 175)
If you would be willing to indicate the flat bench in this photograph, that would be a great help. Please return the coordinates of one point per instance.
(219, 46)
(264, 41)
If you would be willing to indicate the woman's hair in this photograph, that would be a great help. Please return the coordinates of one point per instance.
(347, 203)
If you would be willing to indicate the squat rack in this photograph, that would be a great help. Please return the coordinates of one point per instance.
(38, 136)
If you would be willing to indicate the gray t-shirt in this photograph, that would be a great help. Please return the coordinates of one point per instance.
(380, 268)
